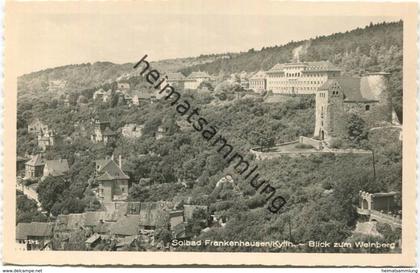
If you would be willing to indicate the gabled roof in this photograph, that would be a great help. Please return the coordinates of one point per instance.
(354, 89)
(34, 229)
(36, 161)
(175, 76)
(109, 170)
(126, 226)
(258, 75)
(198, 74)
(108, 132)
(57, 167)
(155, 213)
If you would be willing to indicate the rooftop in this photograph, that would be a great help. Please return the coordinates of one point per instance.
(34, 229)
(36, 161)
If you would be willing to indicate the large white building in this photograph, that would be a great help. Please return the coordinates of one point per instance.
(194, 79)
(300, 77)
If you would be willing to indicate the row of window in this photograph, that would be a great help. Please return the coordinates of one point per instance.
(298, 74)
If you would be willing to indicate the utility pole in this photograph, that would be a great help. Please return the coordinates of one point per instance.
(373, 164)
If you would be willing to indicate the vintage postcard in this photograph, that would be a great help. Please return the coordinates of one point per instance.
(209, 133)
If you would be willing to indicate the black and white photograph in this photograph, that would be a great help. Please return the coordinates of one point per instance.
(145, 129)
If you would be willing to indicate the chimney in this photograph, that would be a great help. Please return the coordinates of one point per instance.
(119, 161)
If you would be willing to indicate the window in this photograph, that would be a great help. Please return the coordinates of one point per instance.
(367, 107)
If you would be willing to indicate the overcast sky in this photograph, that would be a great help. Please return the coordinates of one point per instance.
(53, 39)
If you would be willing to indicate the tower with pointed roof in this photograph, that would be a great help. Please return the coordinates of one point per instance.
(34, 168)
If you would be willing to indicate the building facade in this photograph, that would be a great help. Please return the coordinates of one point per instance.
(34, 168)
(113, 182)
(300, 78)
(367, 97)
(102, 132)
(258, 82)
(194, 79)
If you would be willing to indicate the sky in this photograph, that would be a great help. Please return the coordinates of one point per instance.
(53, 38)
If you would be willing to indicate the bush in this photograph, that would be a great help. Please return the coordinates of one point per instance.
(336, 143)
(303, 146)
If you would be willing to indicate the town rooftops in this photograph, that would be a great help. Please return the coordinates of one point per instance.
(57, 167)
(126, 226)
(36, 161)
(155, 213)
(355, 89)
(34, 229)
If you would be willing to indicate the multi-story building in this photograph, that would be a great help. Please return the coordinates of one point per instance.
(113, 182)
(102, 132)
(258, 82)
(34, 167)
(368, 97)
(300, 78)
(176, 79)
(194, 80)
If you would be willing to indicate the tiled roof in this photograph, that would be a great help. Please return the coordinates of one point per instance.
(36, 161)
(126, 226)
(57, 167)
(309, 67)
(34, 229)
(198, 74)
(258, 75)
(108, 132)
(354, 89)
(155, 213)
(175, 76)
(109, 170)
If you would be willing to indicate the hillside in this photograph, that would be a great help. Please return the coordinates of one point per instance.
(85, 76)
(373, 48)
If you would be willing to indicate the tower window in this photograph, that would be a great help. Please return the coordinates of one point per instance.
(367, 107)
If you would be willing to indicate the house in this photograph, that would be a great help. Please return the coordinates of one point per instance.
(34, 168)
(46, 139)
(300, 77)
(103, 132)
(367, 97)
(58, 167)
(243, 80)
(107, 96)
(113, 182)
(37, 127)
(176, 79)
(258, 81)
(132, 130)
(34, 236)
(99, 95)
(176, 217)
(194, 79)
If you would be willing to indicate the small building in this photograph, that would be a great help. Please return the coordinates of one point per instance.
(34, 168)
(57, 167)
(155, 215)
(46, 139)
(99, 95)
(132, 130)
(126, 226)
(37, 127)
(34, 236)
(258, 82)
(113, 182)
(103, 132)
(176, 218)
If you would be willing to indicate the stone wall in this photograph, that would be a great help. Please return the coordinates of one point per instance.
(317, 144)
